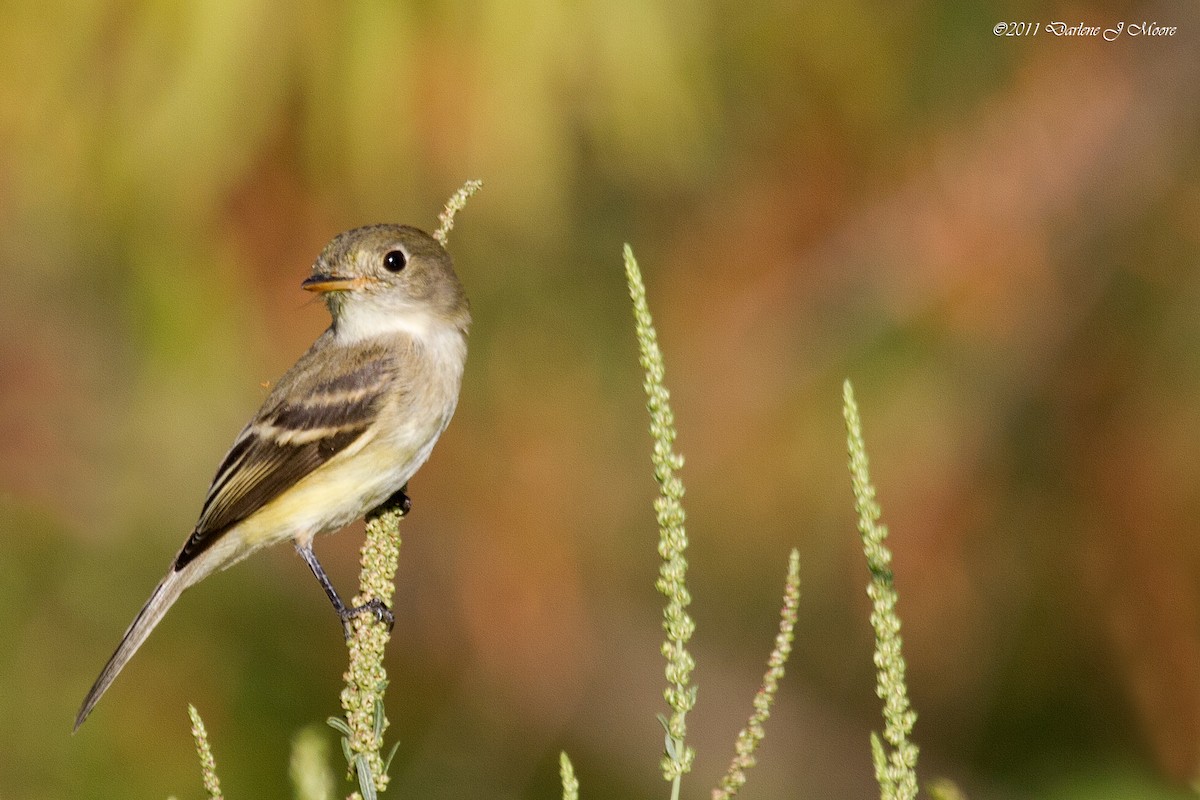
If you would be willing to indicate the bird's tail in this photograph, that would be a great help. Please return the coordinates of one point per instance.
(164, 596)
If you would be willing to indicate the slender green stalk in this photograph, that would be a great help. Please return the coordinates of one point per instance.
(566, 773)
(895, 768)
(453, 206)
(750, 736)
(943, 789)
(208, 765)
(366, 677)
(309, 769)
(680, 693)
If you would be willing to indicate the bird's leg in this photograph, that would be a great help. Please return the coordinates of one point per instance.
(374, 605)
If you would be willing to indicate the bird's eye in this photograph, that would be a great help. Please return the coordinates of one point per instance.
(395, 261)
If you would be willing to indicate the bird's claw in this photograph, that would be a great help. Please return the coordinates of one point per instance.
(375, 607)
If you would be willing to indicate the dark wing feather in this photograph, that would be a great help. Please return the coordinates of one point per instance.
(288, 439)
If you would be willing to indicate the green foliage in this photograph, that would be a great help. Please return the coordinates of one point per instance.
(455, 204)
(208, 765)
(680, 693)
(895, 769)
(363, 727)
(309, 769)
(750, 736)
(943, 789)
(566, 773)
(366, 677)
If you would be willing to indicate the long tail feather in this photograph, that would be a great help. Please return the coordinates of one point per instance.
(164, 596)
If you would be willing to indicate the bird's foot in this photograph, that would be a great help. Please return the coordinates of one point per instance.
(375, 607)
(401, 499)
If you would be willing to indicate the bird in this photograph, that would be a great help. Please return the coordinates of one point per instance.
(342, 431)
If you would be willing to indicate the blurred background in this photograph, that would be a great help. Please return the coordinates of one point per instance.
(996, 238)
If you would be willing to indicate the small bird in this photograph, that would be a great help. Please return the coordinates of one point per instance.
(343, 430)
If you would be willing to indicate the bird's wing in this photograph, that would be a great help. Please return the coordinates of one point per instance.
(290, 437)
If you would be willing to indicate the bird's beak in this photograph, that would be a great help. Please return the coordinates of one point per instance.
(332, 283)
